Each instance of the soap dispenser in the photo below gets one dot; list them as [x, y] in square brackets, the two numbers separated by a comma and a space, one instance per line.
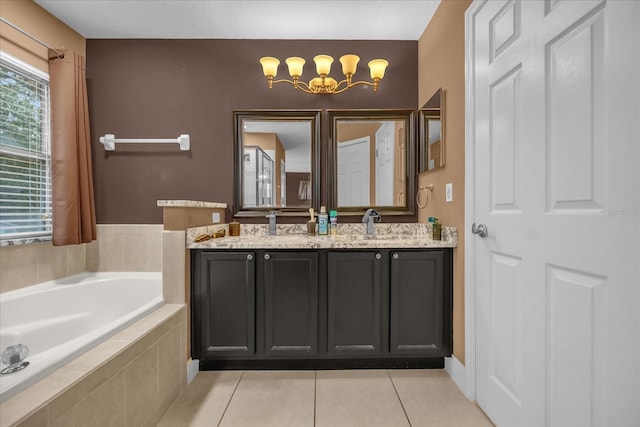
[323, 220]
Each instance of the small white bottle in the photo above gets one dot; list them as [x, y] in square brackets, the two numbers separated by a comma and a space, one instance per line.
[323, 220]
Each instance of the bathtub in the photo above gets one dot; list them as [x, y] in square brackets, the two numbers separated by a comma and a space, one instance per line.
[61, 319]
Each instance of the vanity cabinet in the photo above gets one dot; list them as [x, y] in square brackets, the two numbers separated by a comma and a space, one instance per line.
[223, 304]
[354, 290]
[321, 308]
[290, 303]
[420, 306]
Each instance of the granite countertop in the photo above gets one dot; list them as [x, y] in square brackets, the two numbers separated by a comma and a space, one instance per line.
[350, 236]
[190, 204]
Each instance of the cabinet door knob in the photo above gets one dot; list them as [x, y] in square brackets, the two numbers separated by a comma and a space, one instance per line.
[378, 256]
[396, 256]
[267, 256]
[249, 257]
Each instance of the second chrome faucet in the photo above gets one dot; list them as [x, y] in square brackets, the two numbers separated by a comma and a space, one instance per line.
[369, 217]
[272, 222]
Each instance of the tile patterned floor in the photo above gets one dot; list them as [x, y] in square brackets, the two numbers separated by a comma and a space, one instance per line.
[351, 398]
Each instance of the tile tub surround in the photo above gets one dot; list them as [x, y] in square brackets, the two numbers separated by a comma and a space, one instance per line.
[350, 236]
[126, 247]
[130, 379]
[29, 264]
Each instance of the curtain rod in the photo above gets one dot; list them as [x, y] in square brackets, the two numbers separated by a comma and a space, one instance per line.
[35, 39]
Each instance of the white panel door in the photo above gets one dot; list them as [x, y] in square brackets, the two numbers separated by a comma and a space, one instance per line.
[353, 172]
[554, 111]
[385, 146]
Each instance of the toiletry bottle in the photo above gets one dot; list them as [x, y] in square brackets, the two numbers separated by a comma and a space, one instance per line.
[437, 230]
[323, 219]
[333, 223]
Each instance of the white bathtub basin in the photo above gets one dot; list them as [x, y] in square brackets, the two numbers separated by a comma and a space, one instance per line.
[61, 319]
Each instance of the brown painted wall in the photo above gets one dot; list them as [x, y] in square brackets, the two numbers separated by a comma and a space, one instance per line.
[441, 65]
[163, 88]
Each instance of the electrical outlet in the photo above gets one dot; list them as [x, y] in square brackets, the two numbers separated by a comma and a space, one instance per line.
[215, 217]
[449, 192]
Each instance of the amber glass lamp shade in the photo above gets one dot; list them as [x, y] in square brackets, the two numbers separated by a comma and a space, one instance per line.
[349, 64]
[269, 66]
[295, 65]
[323, 64]
[377, 67]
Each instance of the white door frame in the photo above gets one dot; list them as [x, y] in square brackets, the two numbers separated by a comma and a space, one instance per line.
[466, 380]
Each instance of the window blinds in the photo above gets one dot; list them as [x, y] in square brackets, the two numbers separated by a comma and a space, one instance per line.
[25, 172]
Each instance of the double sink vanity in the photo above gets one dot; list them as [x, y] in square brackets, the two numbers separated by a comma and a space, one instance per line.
[293, 301]
[361, 298]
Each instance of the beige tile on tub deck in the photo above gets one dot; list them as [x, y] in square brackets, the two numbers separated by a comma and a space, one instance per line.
[169, 366]
[354, 398]
[272, 398]
[38, 419]
[204, 401]
[141, 387]
[431, 398]
[104, 406]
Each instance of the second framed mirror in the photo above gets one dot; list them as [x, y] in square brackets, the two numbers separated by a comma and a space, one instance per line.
[372, 156]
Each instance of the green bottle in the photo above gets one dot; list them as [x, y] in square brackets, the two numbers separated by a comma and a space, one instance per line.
[437, 230]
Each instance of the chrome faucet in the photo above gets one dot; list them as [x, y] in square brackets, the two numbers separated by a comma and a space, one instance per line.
[369, 216]
[272, 222]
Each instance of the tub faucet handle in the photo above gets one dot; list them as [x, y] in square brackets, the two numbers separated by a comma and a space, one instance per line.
[15, 354]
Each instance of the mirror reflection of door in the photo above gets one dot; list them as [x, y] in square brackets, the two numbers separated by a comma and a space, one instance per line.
[385, 154]
[283, 183]
[287, 144]
[353, 172]
[371, 173]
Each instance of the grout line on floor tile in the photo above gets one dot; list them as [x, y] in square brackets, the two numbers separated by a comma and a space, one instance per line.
[399, 399]
[231, 398]
[315, 395]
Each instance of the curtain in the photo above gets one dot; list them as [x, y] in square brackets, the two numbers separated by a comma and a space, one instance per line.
[73, 206]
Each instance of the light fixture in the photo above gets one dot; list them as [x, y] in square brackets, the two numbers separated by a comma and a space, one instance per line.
[323, 83]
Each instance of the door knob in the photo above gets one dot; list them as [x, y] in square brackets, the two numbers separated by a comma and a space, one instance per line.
[480, 230]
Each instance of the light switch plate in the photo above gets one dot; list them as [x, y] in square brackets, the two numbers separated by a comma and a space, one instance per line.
[215, 217]
[449, 192]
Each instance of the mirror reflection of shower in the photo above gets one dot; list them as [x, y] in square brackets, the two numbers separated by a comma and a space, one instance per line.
[276, 164]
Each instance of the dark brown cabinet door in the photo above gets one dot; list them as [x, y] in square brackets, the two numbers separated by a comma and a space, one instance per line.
[291, 304]
[224, 304]
[420, 303]
[354, 291]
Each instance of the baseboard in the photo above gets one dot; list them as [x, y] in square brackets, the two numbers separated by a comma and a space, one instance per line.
[458, 374]
[193, 367]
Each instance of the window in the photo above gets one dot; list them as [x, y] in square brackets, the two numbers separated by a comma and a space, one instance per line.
[25, 172]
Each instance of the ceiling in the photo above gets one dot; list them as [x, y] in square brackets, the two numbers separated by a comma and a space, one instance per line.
[246, 19]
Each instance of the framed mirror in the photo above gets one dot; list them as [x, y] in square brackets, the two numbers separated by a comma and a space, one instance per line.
[277, 162]
[372, 161]
[432, 140]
